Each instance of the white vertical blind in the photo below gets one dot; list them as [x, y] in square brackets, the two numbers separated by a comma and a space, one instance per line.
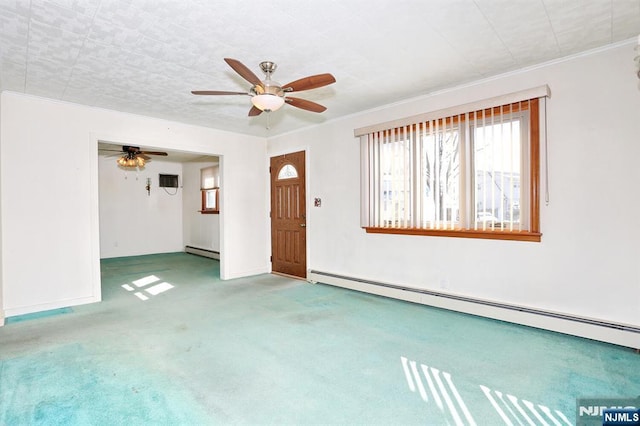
[463, 171]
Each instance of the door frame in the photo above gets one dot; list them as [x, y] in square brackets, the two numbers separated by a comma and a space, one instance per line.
[277, 153]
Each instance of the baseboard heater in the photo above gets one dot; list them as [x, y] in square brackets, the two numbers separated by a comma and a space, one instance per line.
[610, 332]
[202, 252]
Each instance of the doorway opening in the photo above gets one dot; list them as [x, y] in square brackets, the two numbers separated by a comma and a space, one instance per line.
[140, 214]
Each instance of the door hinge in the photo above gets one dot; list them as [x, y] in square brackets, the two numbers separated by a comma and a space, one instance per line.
[271, 259]
[269, 169]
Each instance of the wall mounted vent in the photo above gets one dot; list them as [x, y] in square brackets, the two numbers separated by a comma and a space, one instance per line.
[168, 181]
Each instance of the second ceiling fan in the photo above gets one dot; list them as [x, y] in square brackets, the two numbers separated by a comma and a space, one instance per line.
[268, 95]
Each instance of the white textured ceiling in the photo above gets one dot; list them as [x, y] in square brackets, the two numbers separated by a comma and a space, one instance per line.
[145, 56]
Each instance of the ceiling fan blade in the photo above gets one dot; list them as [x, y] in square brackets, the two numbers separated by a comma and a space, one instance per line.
[146, 157]
[311, 82]
[244, 72]
[111, 154]
[254, 111]
[305, 104]
[216, 92]
[153, 153]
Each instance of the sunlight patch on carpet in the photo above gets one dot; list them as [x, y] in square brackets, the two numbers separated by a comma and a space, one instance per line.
[154, 290]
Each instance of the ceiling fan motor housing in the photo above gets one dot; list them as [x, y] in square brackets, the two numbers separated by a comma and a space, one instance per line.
[268, 67]
[268, 86]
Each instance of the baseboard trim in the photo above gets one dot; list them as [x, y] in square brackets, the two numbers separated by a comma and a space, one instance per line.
[212, 254]
[591, 328]
[23, 310]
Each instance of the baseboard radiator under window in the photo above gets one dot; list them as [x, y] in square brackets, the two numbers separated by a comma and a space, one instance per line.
[202, 252]
[610, 332]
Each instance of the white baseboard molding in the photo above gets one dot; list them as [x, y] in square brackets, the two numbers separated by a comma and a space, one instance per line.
[66, 303]
[202, 252]
[605, 331]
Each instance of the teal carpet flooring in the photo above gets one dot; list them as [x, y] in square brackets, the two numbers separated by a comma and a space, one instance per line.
[171, 344]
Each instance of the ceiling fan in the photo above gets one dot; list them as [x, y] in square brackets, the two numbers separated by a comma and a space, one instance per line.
[132, 156]
[268, 95]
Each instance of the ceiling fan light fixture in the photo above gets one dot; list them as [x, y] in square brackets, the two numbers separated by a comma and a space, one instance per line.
[267, 102]
[128, 161]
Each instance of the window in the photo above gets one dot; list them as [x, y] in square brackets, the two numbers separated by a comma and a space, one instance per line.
[471, 174]
[287, 172]
[210, 191]
[210, 201]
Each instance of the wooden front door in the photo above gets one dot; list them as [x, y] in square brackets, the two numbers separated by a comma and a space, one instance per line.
[288, 215]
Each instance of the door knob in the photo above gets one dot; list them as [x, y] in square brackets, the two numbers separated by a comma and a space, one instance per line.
[303, 225]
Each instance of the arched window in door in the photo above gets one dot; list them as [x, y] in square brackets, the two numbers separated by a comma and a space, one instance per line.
[288, 171]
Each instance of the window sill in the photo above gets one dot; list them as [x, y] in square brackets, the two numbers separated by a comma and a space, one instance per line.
[462, 233]
[209, 211]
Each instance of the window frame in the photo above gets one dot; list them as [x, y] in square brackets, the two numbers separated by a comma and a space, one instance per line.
[205, 208]
[208, 179]
[532, 233]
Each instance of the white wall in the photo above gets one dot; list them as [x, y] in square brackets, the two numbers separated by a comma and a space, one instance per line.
[50, 220]
[1, 245]
[200, 230]
[132, 221]
[587, 263]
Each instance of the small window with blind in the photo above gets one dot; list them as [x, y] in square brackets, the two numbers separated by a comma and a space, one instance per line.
[470, 171]
[210, 190]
